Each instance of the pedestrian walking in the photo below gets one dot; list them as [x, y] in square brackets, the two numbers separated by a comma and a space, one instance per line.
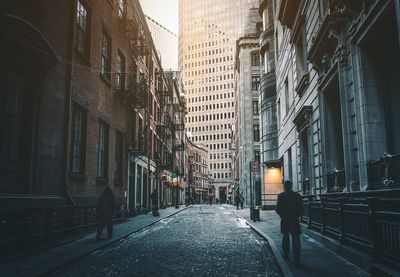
[237, 200]
[105, 211]
[154, 202]
[241, 200]
[290, 208]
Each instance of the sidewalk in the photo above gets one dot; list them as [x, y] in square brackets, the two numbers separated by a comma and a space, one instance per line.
[51, 259]
[316, 259]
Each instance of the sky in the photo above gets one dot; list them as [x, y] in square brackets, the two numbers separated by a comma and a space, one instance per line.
[164, 12]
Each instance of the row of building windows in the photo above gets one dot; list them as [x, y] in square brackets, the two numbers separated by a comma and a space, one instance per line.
[82, 41]
[205, 44]
[207, 117]
[220, 165]
[221, 175]
[210, 52]
[214, 137]
[211, 88]
[212, 127]
[209, 61]
[210, 107]
[217, 156]
[78, 147]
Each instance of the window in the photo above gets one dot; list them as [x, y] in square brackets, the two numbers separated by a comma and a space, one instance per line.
[255, 82]
[255, 59]
[290, 164]
[286, 91]
[279, 113]
[82, 28]
[255, 107]
[256, 132]
[78, 140]
[301, 65]
[105, 68]
[119, 154]
[11, 116]
[120, 70]
[102, 151]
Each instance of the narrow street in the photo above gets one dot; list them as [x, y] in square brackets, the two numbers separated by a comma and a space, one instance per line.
[202, 240]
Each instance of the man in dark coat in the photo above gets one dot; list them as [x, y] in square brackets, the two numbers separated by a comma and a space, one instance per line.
[290, 208]
[237, 200]
[105, 211]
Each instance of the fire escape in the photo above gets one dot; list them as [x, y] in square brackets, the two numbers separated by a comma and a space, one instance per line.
[133, 90]
[164, 157]
[179, 129]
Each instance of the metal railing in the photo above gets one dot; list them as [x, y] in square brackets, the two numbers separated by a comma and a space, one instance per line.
[268, 200]
[384, 172]
[369, 224]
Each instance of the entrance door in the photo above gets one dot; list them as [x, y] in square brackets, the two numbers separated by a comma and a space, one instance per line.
[222, 194]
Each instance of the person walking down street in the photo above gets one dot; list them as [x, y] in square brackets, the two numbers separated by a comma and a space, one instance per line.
[154, 202]
[290, 208]
[241, 200]
[105, 211]
[237, 200]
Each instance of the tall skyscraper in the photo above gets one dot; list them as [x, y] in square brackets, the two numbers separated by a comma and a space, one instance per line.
[208, 30]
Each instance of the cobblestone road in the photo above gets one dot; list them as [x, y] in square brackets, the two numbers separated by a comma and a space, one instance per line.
[200, 241]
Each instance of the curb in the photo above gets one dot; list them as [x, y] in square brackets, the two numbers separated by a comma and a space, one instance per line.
[110, 242]
[36, 265]
[279, 258]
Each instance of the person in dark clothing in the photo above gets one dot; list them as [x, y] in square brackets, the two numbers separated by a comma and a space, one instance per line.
[154, 202]
[241, 200]
[290, 207]
[105, 211]
[237, 200]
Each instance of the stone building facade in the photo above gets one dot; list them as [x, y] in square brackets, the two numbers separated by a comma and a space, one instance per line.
[247, 124]
[336, 93]
[271, 164]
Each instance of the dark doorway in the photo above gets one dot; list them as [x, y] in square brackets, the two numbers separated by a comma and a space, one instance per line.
[382, 70]
[222, 194]
[333, 122]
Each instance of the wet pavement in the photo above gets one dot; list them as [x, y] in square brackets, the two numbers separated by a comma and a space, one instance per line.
[200, 241]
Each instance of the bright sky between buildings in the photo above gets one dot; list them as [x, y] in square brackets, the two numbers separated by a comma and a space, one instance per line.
[163, 11]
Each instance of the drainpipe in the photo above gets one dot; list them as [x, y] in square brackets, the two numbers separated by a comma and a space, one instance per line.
[68, 99]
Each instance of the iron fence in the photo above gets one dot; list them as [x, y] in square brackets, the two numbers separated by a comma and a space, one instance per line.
[367, 223]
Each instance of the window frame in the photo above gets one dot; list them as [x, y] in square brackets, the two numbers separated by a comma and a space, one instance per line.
[105, 57]
[255, 108]
[120, 70]
[255, 83]
[103, 152]
[256, 132]
[83, 30]
[255, 59]
[83, 140]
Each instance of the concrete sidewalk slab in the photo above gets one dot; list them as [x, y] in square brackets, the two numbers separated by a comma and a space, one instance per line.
[316, 259]
[54, 258]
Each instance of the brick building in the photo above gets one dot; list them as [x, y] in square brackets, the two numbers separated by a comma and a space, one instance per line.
[84, 102]
[197, 167]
